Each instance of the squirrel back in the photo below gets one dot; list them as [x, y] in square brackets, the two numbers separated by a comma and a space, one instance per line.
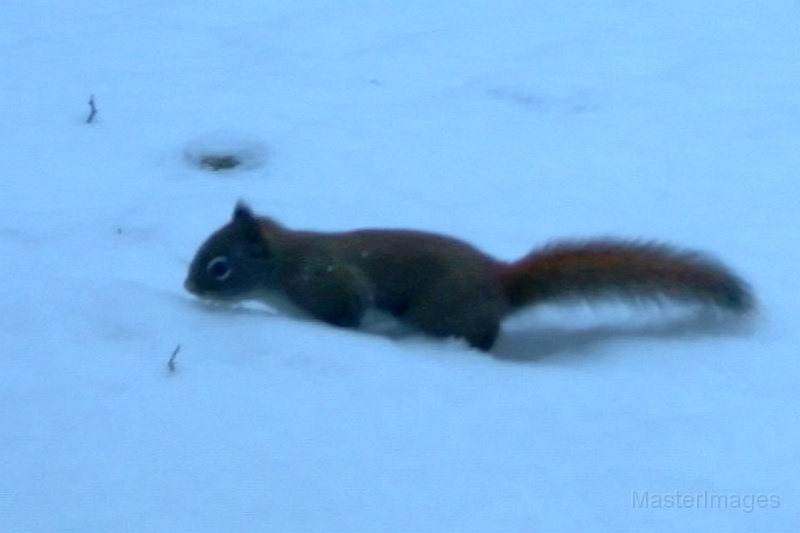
[441, 285]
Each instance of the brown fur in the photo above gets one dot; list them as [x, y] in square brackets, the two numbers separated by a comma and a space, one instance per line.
[601, 268]
[442, 286]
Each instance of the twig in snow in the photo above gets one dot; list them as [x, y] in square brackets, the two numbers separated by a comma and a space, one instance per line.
[171, 366]
[92, 110]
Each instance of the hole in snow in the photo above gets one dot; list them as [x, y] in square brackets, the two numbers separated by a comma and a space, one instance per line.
[225, 151]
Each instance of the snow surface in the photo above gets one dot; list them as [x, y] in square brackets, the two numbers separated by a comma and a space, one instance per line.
[504, 122]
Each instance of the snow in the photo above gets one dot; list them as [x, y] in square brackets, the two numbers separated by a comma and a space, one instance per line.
[507, 123]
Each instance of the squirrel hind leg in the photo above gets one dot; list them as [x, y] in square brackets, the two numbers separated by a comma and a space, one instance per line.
[479, 331]
[477, 322]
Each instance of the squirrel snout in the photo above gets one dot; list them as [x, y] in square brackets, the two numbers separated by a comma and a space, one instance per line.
[190, 286]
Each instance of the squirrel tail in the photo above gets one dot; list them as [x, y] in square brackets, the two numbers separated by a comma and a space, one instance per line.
[600, 268]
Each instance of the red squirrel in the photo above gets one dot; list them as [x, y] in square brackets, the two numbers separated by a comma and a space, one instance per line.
[438, 284]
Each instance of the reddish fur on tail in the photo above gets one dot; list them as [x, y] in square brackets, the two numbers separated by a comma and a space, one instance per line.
[595, 269]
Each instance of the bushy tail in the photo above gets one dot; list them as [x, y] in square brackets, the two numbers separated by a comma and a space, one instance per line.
[595, 269]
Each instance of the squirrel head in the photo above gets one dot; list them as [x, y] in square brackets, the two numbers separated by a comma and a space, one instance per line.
[234, 261]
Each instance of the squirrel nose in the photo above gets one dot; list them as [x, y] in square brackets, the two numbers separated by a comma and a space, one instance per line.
[189, 285]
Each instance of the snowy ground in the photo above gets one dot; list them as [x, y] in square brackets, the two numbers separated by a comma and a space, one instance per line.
[505, 122]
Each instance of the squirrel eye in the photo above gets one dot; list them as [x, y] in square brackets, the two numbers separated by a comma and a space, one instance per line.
[219, 268]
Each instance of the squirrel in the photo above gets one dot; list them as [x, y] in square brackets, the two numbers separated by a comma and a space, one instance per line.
[440, 285]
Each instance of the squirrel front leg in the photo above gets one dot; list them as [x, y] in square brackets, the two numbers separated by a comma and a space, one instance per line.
[329, 291]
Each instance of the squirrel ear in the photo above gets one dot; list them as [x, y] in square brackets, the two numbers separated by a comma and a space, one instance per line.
[247, 223]
[242, 210]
